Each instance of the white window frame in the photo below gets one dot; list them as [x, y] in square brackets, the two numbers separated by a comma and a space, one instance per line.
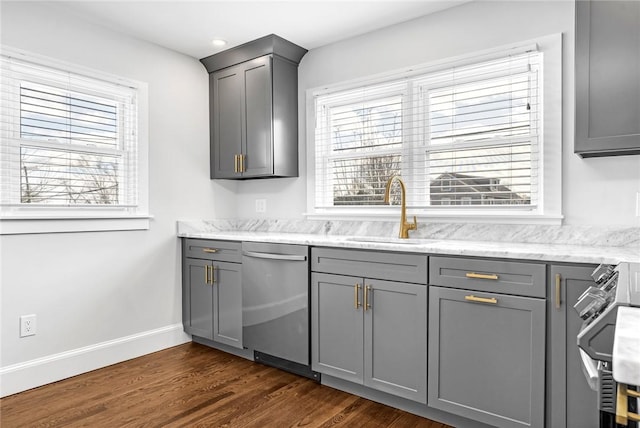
[548, 209]
[26, 219]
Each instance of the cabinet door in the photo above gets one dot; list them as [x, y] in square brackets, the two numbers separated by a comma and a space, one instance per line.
[607, 84]
[395, 338]
[227, 303]
[337, 326]
[487, 360]
[197, 298]
[258, 109]
[573, 404]
[226, 112]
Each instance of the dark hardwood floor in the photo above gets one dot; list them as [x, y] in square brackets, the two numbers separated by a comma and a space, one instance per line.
[195, 386]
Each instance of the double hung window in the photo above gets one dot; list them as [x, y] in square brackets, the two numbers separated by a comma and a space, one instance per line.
[70, 142]
[466, 137]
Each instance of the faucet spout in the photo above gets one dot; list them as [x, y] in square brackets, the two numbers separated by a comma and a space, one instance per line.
[404, 226]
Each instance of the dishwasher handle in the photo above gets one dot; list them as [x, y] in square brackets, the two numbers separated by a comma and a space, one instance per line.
[271, 256]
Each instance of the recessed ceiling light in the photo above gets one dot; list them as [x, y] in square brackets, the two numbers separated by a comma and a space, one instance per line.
[219, 42]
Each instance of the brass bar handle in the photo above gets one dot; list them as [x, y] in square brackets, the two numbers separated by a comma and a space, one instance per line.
[474, 275]
[633, 393]
[558, 283]
[209, 250]
[206, 274]
[242, 167]
[356, 294]
[235, 163]
[367, 302]
[473, 298]
[213, 275]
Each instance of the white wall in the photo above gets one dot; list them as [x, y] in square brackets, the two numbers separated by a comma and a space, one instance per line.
[88, 288]
[595, 191]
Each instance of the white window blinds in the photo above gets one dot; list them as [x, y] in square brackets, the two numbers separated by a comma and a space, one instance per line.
[464, 136]
[67, 139]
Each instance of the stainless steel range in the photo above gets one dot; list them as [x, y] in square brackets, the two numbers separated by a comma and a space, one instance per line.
[616, 286]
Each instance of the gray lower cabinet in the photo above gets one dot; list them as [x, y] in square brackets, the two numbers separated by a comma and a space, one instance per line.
[572, 403]
[607, 84]
[487, 348]
[371, 332]
[212, 291]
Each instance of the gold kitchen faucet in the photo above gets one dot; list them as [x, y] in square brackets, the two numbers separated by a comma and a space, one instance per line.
[404, 226]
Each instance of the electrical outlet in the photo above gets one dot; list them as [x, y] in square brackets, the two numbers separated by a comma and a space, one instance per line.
[261, 205]
[27, 325]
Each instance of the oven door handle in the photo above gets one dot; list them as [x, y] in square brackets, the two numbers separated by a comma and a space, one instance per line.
[590, 369]
[271, 256]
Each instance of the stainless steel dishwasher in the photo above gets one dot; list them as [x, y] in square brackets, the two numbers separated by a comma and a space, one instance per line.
[275, 305]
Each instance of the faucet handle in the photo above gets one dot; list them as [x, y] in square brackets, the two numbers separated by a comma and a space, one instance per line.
[414, 225]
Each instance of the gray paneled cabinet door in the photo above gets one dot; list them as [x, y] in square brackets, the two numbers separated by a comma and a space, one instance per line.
[607, 82]
[242, 110]
[572, 403]
[395, 326]
[337, 326]
[197, 299]
[227, 303]
[383, 347]
[487, 360]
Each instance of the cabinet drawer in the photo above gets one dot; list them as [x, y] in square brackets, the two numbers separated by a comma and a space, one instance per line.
[224, 251]
[371, 264]
[526, 279]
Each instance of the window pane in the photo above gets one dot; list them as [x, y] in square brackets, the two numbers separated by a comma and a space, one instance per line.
[481, 176]
[487, 109]
[51, 114]
[60, 177]
[367, 126]
[362, 181]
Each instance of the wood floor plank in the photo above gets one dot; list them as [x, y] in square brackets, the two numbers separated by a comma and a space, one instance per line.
[191, 386]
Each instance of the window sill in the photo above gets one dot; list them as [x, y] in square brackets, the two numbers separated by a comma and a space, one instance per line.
[19, 225]
[440, 217]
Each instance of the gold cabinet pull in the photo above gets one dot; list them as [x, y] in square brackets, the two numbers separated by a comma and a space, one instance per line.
[209, 250]
[473, 298]
[482, 275]
[367, 302]
[206, 274]
[236, 163]
[558, 282]
[213, 275]
[356, 294]
[242, 167]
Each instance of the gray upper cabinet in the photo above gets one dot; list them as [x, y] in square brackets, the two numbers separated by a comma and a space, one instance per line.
[253, 103]
[211, 290]
[487, 349]
[571, 402]
[607, 78]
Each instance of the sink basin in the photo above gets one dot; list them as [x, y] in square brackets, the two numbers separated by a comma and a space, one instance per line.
[376, 240]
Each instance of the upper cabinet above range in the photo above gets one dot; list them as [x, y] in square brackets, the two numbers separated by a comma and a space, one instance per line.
[253, 109]
[607, 78]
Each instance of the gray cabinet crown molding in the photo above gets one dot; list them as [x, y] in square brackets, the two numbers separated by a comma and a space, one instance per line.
[271, 44]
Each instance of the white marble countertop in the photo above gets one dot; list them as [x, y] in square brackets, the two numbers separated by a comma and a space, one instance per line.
[509, 250]
[626, 346]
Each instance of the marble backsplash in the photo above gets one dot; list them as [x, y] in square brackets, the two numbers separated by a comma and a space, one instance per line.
[532, 234]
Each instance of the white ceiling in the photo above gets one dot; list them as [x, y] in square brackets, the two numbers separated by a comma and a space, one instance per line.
[189, 26]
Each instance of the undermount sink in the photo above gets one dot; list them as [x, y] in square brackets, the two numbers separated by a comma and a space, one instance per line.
[376, 240]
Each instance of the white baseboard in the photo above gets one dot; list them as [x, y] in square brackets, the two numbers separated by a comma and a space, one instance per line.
[41, 371]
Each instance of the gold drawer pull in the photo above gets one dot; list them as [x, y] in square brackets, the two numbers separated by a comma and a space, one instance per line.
[482, 275]
[356, 293]
[209, 250]
[473, 298]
